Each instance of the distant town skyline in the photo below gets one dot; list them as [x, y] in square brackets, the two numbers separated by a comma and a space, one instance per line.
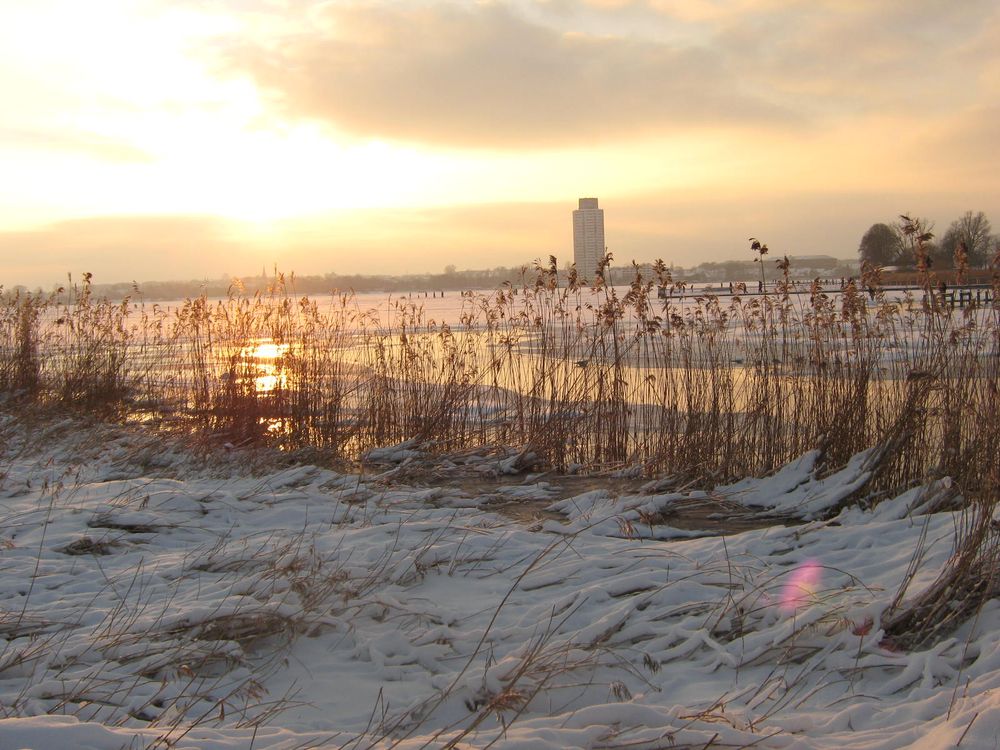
[157, 140]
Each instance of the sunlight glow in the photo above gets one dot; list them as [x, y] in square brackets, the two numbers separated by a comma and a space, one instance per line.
[196, 143]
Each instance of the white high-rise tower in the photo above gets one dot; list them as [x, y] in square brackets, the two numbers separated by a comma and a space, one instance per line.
[588, 237]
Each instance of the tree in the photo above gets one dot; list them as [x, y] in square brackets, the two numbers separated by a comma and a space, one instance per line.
[975, 231]
[942, 255]
[881, 245]
[950, 244]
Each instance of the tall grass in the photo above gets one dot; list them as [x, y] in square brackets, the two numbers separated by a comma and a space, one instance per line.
[575, 377]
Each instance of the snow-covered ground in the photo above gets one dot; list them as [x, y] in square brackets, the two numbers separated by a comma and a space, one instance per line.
[151, 598]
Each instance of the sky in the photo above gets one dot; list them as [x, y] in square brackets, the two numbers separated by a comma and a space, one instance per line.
[156, 139]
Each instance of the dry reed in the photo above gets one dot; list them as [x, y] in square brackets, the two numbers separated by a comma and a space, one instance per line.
[575, 377]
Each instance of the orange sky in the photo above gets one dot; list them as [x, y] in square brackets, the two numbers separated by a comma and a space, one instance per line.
[146, 139]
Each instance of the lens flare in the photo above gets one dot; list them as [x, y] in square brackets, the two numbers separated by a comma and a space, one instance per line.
[801, 587]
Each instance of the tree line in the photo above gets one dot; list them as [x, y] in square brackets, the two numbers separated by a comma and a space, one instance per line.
[968, 241]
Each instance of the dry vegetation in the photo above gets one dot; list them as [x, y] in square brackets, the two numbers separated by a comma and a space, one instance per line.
[693, 389]
[578, 377]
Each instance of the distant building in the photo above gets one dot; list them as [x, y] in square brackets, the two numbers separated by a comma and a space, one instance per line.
[588, 237]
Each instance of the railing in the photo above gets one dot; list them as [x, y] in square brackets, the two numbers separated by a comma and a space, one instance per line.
[964, 297]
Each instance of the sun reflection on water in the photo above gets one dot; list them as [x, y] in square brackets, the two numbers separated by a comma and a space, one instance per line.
[265, 350]
[265, 356]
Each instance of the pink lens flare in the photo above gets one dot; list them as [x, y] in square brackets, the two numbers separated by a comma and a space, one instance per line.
[801, 586]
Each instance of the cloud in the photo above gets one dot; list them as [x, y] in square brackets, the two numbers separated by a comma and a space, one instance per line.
[120, 248]
[840, 58]
[87, 144]
[483, 76]
[963, 152]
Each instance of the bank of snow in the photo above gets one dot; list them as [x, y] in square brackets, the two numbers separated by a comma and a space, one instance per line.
[147, 599]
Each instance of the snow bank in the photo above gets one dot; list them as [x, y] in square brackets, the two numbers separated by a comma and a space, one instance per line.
[301, 607]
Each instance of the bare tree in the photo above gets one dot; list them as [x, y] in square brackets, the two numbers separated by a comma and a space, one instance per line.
[943, 254]
[974, 230]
